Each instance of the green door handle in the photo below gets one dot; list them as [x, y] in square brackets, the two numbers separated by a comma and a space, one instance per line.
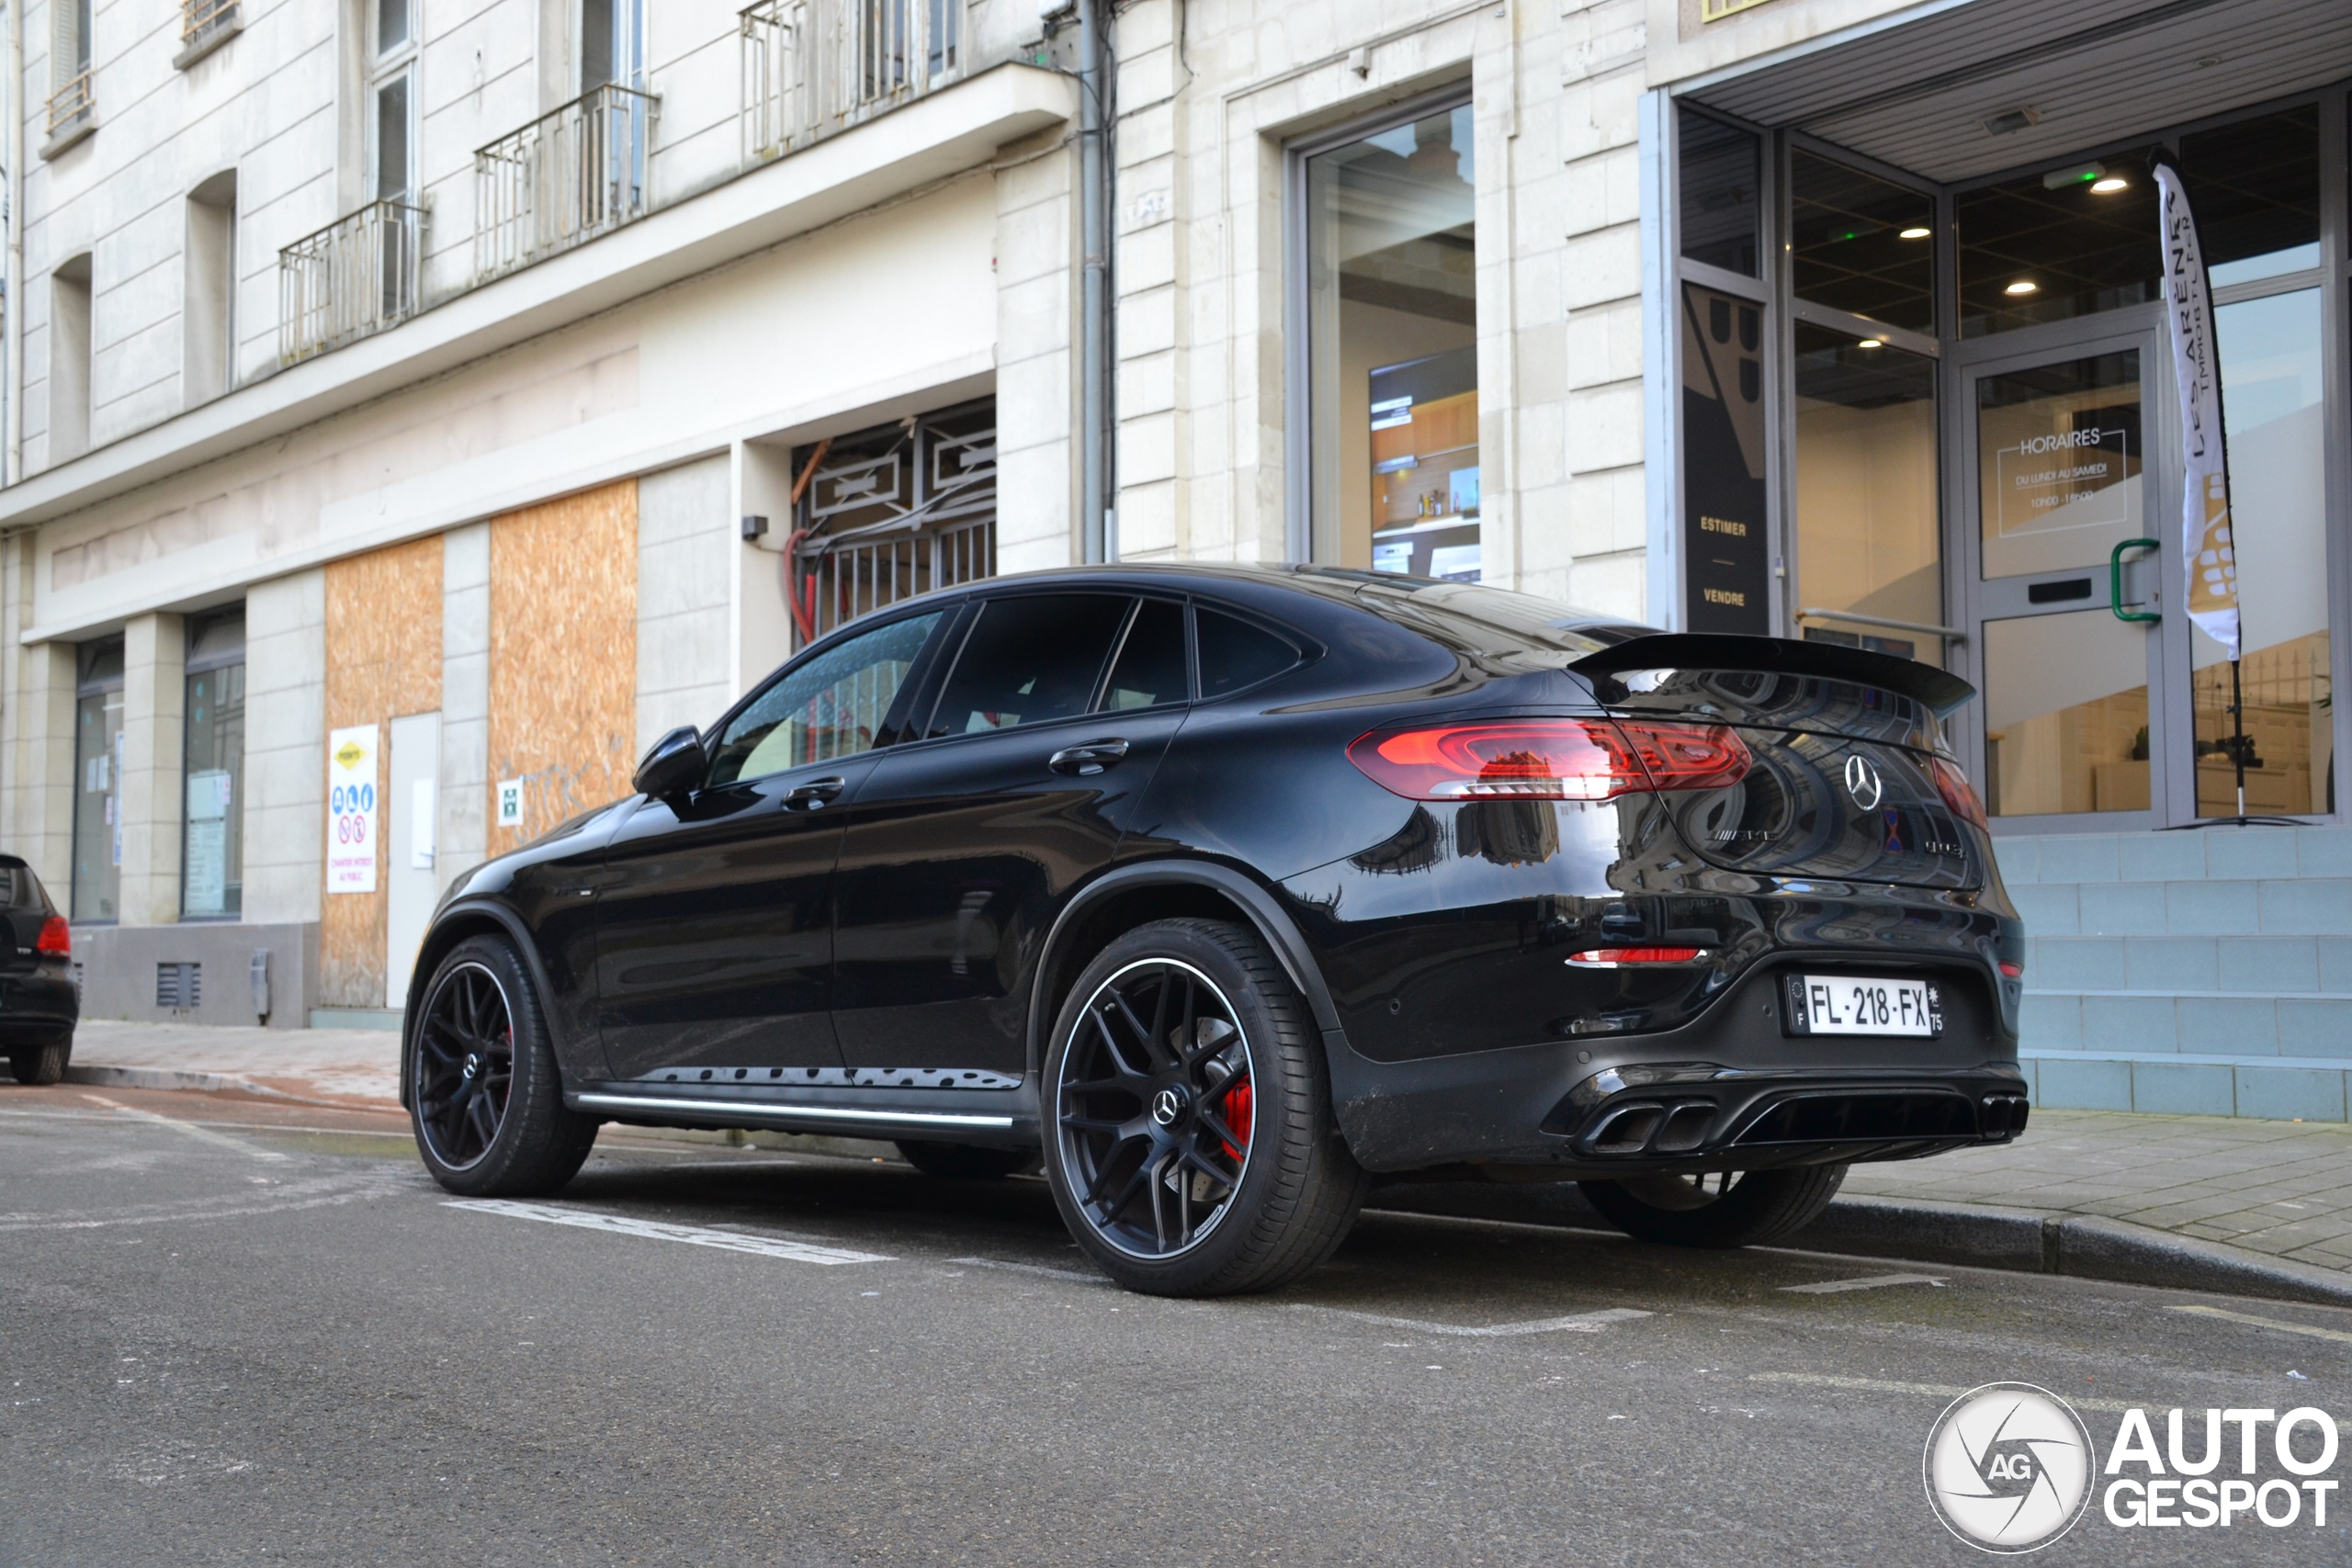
[2115, 580]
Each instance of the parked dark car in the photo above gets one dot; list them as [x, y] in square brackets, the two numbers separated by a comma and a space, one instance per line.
[1228, 892]
[39, 1002]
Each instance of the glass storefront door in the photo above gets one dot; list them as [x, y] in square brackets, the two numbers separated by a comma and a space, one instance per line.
[2059, 478]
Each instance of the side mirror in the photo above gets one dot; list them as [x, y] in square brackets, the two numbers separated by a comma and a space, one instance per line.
[675, 765]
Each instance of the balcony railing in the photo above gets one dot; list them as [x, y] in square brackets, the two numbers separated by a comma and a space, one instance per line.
[204, 21]
[355, 277]
[811, 67]
[569, 175]
[70, 107]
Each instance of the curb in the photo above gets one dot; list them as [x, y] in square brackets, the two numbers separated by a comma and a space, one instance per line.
[201, 1083]
[2083, 1246]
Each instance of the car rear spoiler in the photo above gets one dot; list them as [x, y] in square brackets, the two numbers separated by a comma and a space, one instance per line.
[1938, 689]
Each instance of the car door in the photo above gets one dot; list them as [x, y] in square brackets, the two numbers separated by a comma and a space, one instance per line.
[713, 922]
[966, 841]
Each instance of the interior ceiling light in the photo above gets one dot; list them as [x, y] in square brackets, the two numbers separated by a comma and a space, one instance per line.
[1915, 233]
[2015, 119]
[2023, 286]
[2080, 175]
[1869, 342]
[2111, 184]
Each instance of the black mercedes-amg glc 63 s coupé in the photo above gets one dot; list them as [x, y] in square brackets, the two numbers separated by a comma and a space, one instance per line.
[1228, 892]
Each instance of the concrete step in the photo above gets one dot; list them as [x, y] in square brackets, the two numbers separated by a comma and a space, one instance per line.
[2203, 854]
[2320, 966]
[2283, 1088]
[2294, 906]
[2236, 1024]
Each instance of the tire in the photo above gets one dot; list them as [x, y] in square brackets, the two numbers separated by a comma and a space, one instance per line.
[499, 1129]
[1758, 1206]
[1231, 1141]
[966, 1162]
[40, 1065]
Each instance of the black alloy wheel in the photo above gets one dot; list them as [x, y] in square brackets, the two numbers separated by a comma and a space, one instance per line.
[485, 1098]
[1155, 1115]
[1189, 1140]
[465, 1065]
[1719, 1209]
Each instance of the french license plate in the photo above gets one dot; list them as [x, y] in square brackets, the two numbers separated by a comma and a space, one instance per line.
[1864, 1004]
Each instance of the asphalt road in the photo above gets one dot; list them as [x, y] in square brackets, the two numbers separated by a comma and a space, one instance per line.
[232, 1340]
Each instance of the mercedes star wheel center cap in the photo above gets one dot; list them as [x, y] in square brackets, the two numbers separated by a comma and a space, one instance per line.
[473, 1065]
[1168, 1105]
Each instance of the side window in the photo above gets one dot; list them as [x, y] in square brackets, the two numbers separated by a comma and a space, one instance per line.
[1149, 669]
[1030, 660]
[1235, 654]
[831, 706]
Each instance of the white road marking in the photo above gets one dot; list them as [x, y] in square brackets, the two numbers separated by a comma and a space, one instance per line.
[1074, 1275]
[1867, 1282]
[1574, 1323]
[657, 1230]
[1954, 1390]
[2339, 1335]
[201, 1135]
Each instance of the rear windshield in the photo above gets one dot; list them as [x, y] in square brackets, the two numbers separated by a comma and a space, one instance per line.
[1471, 618]
[20, 888]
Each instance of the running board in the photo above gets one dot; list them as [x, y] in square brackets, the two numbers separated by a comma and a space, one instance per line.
[671, 1107]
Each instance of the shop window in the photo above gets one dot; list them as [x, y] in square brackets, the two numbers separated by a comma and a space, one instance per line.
[2065, 714]
[1862, 244]
[1392, 256]
[1866, 540]
[212, 850]
[2271, 372]
[98, 783]
[1722, 170]
[2255, 188]
[2052, 246]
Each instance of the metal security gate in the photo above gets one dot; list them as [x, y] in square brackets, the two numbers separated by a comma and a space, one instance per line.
[891, 512]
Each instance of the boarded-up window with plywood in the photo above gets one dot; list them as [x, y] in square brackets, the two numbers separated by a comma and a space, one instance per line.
[563, 657]
[383, 661]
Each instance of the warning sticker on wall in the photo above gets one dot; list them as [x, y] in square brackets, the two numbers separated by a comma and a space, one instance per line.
[351, 809]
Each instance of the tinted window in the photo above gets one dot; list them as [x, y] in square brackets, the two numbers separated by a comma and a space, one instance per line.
[1030, 660]
[1150, 667]
[831, 706]
[20, 888]
[1721, 175]
[1235, 654]
[1861, 243]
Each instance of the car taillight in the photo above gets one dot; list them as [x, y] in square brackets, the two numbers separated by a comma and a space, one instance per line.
[56, 937]
[2012, 970]
[1958, 793]
[1549, 758]
[1610, 957]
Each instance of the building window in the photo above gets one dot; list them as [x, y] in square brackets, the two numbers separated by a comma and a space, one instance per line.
[2052, 246]
[69, 358]
[1723, 180]
[1392, 331]
[1867, 538]
[70, 99]
[392, 96]
[212, 866]
[1862, 244]
[208, 336]
[612, 43]
[98, 783]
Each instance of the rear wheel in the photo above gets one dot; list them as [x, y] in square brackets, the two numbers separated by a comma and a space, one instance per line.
[1189, 1138]
[966, 1162]
[1719, 1209]
[486, 1099]
[40, 1065]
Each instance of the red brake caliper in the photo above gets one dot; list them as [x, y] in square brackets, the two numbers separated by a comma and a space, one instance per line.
[1237, 1102]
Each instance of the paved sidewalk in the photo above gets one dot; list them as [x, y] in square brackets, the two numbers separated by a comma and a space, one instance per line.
[2283, 1189]
[338, 1064]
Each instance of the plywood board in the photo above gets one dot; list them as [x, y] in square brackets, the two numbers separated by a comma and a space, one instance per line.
[563, 657]
[383, 646]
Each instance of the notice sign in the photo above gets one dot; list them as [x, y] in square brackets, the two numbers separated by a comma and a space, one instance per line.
[2065, 479]
[351, 809]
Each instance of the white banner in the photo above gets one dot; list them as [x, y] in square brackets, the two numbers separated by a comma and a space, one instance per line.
[2205, 522]
[351, 809]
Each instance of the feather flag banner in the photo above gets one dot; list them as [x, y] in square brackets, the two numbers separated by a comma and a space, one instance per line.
[2206, 544]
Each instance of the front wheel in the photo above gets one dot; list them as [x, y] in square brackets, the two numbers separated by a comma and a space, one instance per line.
[1188, 1130]
[486, 1101]
[1720, 1209]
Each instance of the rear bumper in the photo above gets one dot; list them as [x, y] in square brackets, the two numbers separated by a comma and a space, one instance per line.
[37, 1009]
[1728, 1092]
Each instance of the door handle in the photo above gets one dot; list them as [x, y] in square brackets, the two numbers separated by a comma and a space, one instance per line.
[2115, 580]
[814, 793]
[1090, 758]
